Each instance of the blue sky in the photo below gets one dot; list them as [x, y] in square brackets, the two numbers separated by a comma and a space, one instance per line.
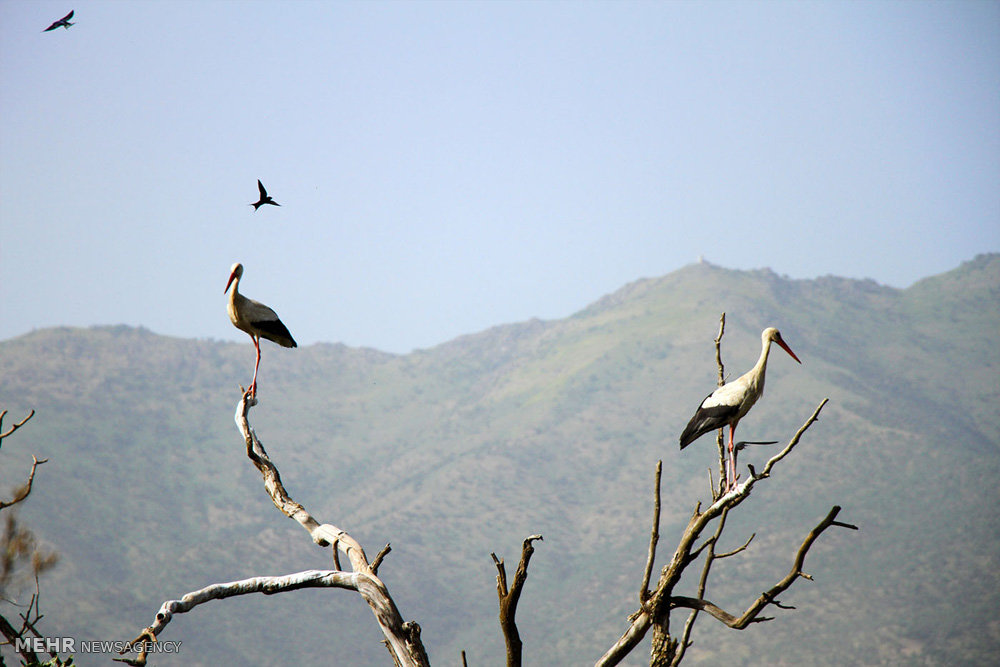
[444, 167]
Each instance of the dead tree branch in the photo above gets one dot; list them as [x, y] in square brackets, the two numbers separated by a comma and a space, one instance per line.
[379, 557]
[19, 551]
[770, 596]
[25, 489]
[718, 350]
[142, 643]
[14, 427]
[766, 472]
[401, 637]
[19, 547]
[655, 610]
[12, 634]
[654, 536]
[265, 585]
[720, 438]
[509, 597]
[685, 639]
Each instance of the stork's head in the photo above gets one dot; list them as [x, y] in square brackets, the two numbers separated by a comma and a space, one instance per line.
[235, 272]
[774, 336]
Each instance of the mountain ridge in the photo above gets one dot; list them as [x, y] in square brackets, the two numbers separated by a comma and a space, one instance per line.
[540, 426]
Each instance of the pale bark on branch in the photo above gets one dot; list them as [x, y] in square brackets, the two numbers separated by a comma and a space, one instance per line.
[265, 585]
[401, 637]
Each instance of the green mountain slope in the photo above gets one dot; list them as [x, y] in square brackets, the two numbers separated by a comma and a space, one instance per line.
[547, 427]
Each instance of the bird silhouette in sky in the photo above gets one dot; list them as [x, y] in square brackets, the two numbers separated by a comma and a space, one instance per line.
[264, 197]
[61, 23]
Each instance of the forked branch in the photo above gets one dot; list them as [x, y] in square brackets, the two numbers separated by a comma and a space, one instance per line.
[770, 596]
[655, 608]
[402, 638]
[508, 599]
[25, 489]
[4, 434]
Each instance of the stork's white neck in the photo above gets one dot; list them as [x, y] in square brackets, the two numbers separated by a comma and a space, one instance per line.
[765, 349]
[756, 374]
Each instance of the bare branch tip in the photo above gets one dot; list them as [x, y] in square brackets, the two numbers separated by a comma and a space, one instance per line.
[379, 557]
[844, 525]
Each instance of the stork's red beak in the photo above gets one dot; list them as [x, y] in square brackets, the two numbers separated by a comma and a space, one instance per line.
[232, 277]
[787, 349]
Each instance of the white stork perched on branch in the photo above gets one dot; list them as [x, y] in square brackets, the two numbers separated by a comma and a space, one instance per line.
[728, 404]
[256, 319]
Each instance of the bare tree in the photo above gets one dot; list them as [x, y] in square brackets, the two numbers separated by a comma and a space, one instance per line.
[22, 560]
[656, 605]
[401, 637]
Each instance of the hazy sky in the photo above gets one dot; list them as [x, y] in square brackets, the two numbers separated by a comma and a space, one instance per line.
[444, 167]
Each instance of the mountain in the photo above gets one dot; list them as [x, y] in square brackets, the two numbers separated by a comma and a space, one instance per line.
[550, 427]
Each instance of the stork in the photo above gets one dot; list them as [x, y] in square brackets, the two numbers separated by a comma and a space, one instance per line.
[61, 23]
[264, 197]
[256, 319]
[728, 404]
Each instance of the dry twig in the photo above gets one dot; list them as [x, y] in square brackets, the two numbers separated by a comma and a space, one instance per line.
[25, 489]
[14, 427]
[653, 537]
[508, 599]
[720, 438]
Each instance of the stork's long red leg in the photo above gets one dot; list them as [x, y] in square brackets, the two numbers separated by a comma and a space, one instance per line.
[253, 385]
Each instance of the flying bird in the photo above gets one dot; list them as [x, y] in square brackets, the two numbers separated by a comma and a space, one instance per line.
[728, 404]
[256, 319]
[264, 197]
[61, 23]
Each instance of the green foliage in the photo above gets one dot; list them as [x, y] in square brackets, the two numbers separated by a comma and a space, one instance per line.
[550, 427]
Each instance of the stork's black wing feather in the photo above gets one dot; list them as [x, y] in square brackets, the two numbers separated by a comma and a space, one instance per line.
[276, 331]
[706, 420]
